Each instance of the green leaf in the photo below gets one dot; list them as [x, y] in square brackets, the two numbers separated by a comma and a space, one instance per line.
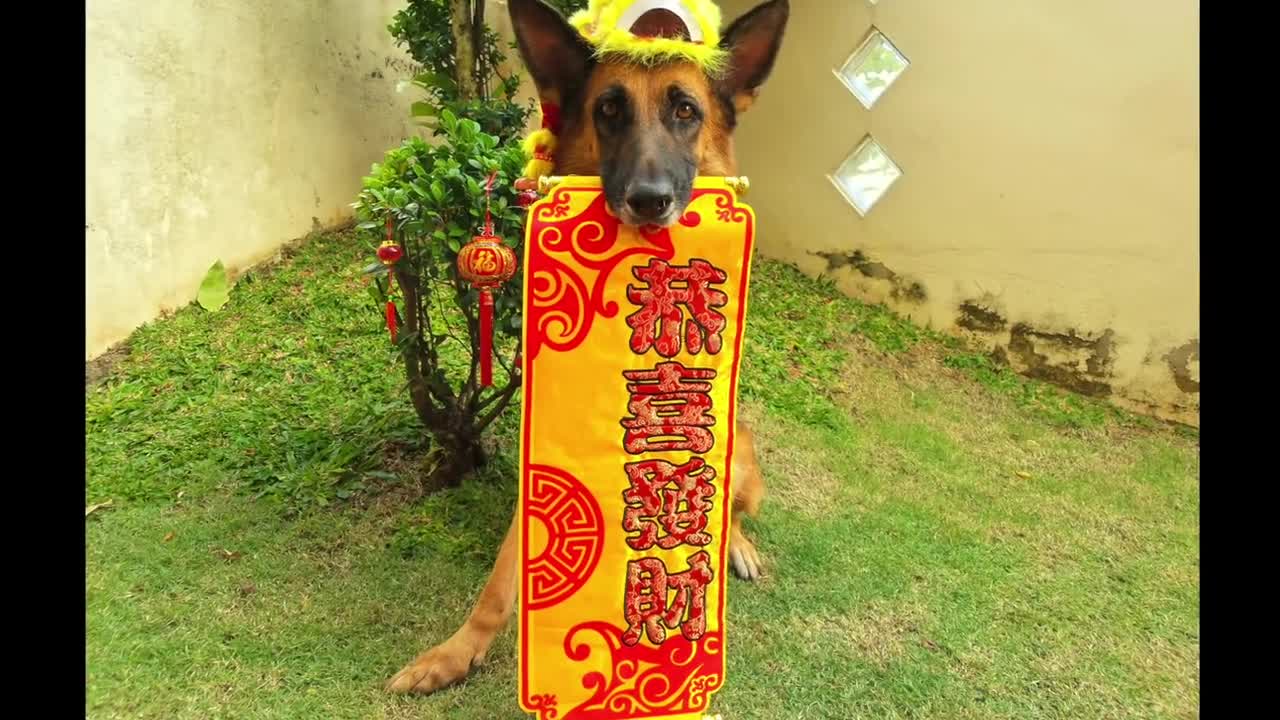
[431, 80]
[214, 292]
[424, 109]
[448, 120]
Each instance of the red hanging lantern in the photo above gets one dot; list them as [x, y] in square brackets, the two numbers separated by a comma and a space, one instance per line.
[389, 253]
[486, 262]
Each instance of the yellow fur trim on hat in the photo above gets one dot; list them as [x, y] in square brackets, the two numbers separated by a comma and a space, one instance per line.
[540, 146]
[599, 24]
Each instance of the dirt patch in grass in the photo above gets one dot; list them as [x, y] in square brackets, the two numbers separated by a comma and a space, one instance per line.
[879, 632]
[404, 479]
[101, 367]
[807, 487]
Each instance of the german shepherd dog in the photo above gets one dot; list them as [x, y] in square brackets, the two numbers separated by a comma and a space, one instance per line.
[646, 132]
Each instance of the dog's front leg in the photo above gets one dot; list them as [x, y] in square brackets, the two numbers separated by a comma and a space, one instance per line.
[452, 660]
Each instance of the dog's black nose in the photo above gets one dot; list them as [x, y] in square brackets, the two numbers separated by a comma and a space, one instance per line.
[650, 199]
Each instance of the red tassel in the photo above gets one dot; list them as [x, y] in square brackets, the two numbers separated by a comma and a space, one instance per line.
[551, 117]
[486, 338]
[391, 319]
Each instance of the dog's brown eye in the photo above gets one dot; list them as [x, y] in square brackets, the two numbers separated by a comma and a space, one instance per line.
[685, 111]
[608, 108]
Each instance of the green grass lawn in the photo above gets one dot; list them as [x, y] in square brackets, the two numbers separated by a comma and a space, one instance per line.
[942, 538]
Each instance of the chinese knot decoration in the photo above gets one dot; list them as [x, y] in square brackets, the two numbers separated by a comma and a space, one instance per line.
[389, 253]
[486, 262]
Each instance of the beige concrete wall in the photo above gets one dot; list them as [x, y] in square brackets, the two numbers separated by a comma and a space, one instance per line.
[220, 129]
[1049, 202]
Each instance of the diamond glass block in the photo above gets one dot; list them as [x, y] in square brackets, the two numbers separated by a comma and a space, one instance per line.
[866, 175]
[872, 68]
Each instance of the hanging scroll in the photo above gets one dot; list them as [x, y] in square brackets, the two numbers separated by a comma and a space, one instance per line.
[632, 342]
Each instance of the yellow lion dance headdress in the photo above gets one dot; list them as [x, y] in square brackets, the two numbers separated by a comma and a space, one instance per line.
[651, 31]
[645, 32]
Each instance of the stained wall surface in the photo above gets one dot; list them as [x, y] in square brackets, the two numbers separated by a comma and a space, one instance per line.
[1048, 203]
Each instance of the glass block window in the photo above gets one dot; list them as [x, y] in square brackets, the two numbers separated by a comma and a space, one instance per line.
[866, 175]
[872, 68]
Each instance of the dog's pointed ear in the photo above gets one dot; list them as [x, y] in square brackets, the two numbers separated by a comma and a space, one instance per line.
[753, 41]
[558, 58]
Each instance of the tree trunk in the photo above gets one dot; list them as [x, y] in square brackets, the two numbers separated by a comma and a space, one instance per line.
[461, 455]
[465, 45]
[477, 43]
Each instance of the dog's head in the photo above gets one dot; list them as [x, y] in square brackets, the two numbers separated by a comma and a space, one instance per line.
[646, 130]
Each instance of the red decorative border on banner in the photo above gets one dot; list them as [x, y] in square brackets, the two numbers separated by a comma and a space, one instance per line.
[646, 681]
[643, 681]
[575, 536]
[563, 306]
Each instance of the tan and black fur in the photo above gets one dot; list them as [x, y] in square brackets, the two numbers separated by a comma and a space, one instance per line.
[647, 132]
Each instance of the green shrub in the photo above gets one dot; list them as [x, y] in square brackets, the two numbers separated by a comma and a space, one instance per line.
[436, 200]
[435, 197]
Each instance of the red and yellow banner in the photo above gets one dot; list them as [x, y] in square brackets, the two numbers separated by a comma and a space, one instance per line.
[632, 341]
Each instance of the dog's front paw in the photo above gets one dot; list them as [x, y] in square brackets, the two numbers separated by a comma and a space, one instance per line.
[439, 667]
[744, 557]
